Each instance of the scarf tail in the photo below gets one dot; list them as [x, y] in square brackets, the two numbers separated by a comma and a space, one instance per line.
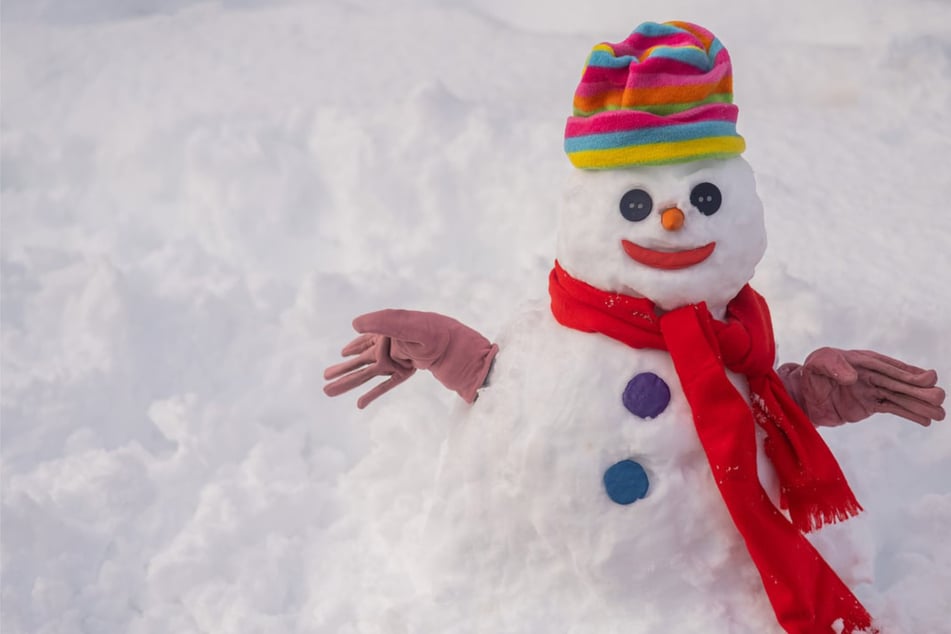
[812, 486]
[807, 596]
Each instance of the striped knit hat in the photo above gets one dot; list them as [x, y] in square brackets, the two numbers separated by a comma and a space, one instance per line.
[663, 95]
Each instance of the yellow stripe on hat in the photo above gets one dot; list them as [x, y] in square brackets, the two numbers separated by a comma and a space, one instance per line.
[659, 153]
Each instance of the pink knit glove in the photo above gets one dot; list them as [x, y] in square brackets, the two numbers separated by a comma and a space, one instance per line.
[843, 386]
[396, 343]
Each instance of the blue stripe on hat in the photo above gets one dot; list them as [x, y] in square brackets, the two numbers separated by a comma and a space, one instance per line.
[604, 59]
[653, 29]
[696, 57]
[645, 136]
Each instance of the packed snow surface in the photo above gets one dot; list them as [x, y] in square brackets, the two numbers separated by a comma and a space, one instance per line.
[198, 197]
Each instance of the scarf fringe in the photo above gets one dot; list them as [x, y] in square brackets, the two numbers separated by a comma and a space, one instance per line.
[812, 509]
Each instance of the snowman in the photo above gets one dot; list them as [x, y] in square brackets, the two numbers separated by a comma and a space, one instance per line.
[635, 461]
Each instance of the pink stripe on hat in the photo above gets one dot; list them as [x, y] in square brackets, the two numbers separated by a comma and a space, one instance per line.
[624, 120]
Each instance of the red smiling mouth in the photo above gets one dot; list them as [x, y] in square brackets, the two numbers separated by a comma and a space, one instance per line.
[667, 260]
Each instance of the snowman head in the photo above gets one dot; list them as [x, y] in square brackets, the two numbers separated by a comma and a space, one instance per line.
[677, 234]
[662, 206]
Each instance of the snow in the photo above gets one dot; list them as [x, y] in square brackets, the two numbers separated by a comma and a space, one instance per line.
[198, 197]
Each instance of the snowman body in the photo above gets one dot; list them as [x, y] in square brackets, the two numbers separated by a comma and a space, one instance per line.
[523, 510]
[576, 489]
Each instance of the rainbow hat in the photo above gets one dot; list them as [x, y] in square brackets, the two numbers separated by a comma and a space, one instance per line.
[663, 95]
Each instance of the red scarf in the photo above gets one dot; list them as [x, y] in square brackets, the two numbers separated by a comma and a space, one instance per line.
[806, 594]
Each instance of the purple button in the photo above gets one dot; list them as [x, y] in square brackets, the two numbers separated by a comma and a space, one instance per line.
[646, 395]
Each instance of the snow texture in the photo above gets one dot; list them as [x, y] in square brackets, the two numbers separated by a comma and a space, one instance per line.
[198, 197]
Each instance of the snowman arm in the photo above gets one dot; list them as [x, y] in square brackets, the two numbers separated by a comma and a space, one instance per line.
[396, 343]
[837, 386]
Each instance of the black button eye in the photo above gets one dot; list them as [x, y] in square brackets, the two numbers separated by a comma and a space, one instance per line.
[636, 205]
[706, 197]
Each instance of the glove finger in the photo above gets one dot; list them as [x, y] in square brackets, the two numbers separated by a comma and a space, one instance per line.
[352, 380]
[887, 407]
[339, 369]
[383, 388]
[931, 395]
[893, 368]
[831, 363]
[892, 361]
[913, 405]
[358, 345]
[408, 326]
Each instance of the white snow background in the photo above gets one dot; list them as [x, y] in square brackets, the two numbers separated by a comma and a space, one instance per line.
[197, 198]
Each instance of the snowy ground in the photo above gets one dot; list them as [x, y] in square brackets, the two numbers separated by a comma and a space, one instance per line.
[197, 198]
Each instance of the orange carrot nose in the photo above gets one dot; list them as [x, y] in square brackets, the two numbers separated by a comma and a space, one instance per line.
[672, 219]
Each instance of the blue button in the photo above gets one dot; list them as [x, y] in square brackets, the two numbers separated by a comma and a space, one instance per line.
[646, 395]
[626, 482]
